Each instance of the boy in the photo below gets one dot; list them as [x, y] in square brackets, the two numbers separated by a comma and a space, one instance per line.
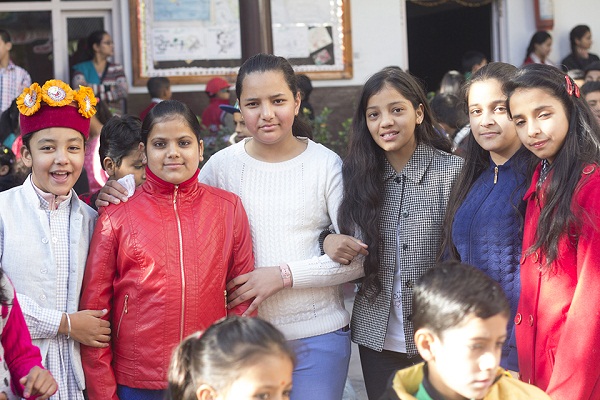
[241, 131]
[13, 79]
[592, 72]
[591, 94]
[471, 62]
[213, 117]
[45, 231]
[460, 317]
[159, 89]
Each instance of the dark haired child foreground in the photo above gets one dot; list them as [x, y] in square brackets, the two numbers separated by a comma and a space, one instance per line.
[234, 359]
[460, 317]
[182, 239]
[557, 321]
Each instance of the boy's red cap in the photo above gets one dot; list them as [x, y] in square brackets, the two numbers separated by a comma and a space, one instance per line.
[216, 84]
[53, 106]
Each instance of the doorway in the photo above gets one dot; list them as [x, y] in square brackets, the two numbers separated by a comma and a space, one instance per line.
[438, 36]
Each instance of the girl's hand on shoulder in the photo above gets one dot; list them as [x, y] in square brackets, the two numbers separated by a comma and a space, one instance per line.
[3, 396]
[259, 284]
[88, 328]
[343, 248]
[38, 382]
[112, 193]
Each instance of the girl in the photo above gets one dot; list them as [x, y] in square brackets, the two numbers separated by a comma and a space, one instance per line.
[291, 187]
[107, 79]
[397, 180]
[160, 262]
[235, 359]
[557, 324]
[483, 224]
[581, 42]
[24, 374]
[539, 49]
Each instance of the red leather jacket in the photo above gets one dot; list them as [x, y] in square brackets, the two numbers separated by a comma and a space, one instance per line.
[558, 318]
[159, 263]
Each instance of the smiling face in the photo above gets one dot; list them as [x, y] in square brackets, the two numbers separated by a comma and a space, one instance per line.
[391, 120]
[488, 115]
[55, 156]
[268, 107]
[173, 151]
[541, 121]
[463, 362]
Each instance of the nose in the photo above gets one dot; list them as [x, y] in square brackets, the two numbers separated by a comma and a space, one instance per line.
[386, 119]
[266, 111]
[533, 129]
[172, 150]
[487, 119]
[60, 156]
[489, 361]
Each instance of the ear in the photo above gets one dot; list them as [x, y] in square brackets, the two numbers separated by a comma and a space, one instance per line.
[424, 340]
[26, 156]
[297, 101]
[205, 392]
[8, 46]
[201, 150]
[109, 166]
[4, 170]
[420, 114]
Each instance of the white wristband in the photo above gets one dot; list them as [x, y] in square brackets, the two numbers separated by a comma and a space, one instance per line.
[68, 325]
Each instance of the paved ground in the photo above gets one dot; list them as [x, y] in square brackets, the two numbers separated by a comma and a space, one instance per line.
[355, 387]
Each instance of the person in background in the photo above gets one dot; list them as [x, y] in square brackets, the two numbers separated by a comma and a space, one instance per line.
[557, 324]
[305, 87]
[580, 38]
[7, 169]
[13, 79]
[452, 82]
[234, 359]
[539, 49]
[241, 131]
[213, 117]
[450, 114]
[107, 79]
[460, 317]
[471, 61]
[591, 94]
[159, 88]
[592, 72]
[9, 124]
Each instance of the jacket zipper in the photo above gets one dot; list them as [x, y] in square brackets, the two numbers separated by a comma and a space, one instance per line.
[180, 262]
[495, 175]
[123, 313]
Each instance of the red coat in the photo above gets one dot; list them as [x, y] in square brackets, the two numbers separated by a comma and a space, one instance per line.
[159, 263]
[558, 318]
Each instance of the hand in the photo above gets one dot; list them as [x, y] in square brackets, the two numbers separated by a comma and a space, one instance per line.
[112, 193]
[259, 284]
[3, 396]
[343, 248]
[38, 382]
[88, 327]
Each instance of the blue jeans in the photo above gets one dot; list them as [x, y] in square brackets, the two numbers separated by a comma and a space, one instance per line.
[321, 366]
[128, 393]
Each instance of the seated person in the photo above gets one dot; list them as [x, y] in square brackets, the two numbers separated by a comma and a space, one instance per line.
[460, 316]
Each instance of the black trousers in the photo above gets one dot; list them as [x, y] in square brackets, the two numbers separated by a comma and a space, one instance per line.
[379, 367]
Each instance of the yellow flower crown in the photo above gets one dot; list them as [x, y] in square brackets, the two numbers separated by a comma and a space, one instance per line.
[56, 93]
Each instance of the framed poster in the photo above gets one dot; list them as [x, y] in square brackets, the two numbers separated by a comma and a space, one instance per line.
[315, 36]
[191, 41]
[188, 41]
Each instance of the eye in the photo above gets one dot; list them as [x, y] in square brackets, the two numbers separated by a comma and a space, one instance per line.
[475, 111]
[397, 110]
[476, 346]
[519, 122]
[46, 148]
[140, 166]
[185, 143]
[262, 396]
[251, 104]
[500, 344]
[74, 148]
[158, 144]
[372, 115]
[545, 115]
[279, 101]
[500, 109]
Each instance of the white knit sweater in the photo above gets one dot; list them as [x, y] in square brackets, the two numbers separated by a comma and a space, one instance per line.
[289, 204]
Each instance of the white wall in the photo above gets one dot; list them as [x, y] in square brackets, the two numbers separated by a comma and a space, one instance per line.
[520, 25]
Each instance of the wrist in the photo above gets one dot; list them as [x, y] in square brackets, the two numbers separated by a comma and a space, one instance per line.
[286, 275]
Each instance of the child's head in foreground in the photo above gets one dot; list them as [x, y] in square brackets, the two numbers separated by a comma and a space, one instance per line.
[55, 123]
[120, 149]
[460, 317]
[171, 137]
[235, 358]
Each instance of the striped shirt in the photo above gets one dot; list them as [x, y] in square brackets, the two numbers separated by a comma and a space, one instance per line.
[13, 79]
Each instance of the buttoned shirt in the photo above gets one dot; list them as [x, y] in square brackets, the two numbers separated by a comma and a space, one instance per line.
[13, 79]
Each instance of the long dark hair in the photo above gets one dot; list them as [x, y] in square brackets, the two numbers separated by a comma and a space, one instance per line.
[581, 148]
[576, 34]
[477, 159]
[268, 62]
[94, 38]
[364, 165]
[538, 38]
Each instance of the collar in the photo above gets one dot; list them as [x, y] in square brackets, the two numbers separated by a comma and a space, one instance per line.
[51, 199]
[156, 185]
[156, 100]
[11, 65]
[415, 168]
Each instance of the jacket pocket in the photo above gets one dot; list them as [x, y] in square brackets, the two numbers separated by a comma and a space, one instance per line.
[123, 312]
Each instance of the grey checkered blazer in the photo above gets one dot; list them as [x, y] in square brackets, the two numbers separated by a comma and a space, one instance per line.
[411, 218]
